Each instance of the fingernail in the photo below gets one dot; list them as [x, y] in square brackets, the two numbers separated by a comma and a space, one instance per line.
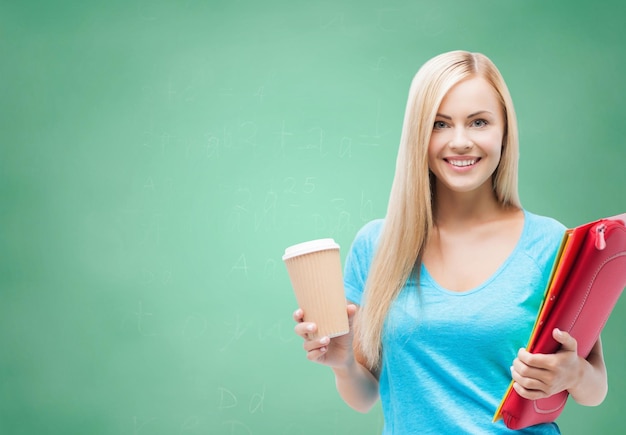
[310, 328]
[324, 340]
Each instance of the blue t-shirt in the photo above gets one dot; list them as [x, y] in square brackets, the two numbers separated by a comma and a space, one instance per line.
[447, 355]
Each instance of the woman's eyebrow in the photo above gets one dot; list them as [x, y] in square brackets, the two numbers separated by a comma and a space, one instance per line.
[471, 115]
[480, 112]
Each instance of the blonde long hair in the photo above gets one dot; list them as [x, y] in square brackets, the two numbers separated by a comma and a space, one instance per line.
[409, 218]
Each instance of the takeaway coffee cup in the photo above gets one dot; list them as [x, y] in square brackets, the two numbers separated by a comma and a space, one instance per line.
[314, 268]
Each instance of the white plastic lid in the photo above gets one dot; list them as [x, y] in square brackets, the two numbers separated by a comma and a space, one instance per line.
[308, 247]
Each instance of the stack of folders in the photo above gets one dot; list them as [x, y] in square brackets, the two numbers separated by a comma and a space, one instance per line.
[587, 279]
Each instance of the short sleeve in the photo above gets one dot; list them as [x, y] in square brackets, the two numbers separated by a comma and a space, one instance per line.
[359, 259]
[544, 239]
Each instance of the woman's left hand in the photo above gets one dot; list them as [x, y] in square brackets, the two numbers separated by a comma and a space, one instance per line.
[538, 376]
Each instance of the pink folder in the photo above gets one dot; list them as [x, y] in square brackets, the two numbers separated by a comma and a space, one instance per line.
[587, 280]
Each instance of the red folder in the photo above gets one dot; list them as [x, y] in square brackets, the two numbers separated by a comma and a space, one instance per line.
[587, 280]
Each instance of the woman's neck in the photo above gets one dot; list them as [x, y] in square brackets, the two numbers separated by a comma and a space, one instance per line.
[461, 209]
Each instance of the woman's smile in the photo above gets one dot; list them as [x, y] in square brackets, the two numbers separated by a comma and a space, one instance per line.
[462, 162]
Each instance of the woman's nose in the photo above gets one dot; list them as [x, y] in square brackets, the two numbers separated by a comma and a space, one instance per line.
[461, 140]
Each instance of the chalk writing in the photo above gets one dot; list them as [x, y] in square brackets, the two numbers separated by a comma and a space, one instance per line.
[240, 265]
[139, 425]
[345, 147]
[317, 143]
[290, 182]
[378, 66]
[268, 214]
[336, 20]
[187, 94]
[243, 197]
[373, 140]
[269, 270]
[260, 93]
[248, 131]
[236, 331]
[309, 186]
[150, 277]
[212, 146]
[149, 184]
[142, 320]
[256, 402]
[293, 188]
[366, 211]
[160, 186]
[227, 399]
[190, 423]
[283, 135]
[343, 218]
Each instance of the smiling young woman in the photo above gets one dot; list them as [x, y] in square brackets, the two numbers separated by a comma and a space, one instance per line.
[444, 290]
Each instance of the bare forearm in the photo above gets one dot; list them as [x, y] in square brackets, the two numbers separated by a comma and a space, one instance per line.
[592, 386]
[357, 386]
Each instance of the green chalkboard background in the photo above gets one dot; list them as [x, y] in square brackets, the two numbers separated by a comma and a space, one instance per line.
[157, 156]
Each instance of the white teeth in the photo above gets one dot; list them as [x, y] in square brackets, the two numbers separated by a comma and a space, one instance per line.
[462, 162]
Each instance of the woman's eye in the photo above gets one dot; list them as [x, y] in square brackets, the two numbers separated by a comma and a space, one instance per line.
[439, 125]
[479, 123]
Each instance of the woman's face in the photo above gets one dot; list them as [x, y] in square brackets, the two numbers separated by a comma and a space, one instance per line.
[466, 142]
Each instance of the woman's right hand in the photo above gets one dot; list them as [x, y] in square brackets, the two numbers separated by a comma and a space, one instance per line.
[334, 352]
[357, 385]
